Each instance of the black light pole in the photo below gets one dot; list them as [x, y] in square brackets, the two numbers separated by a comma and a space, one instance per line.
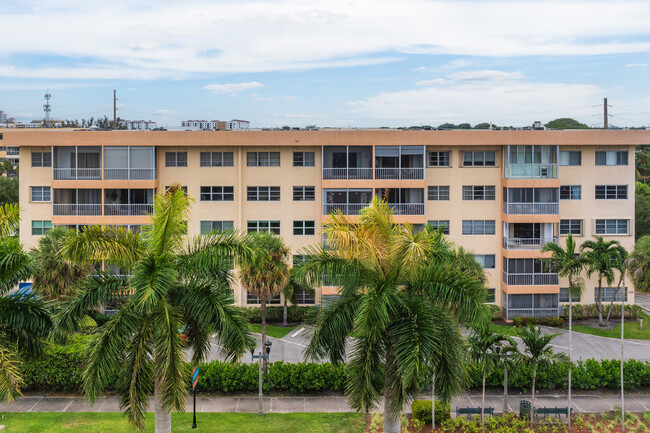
[195, 382]
[260, 357]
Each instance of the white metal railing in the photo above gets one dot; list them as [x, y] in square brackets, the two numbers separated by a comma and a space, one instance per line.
[345, 208]
[531, 208]
[347, 173]
[129, 173]
[532, 171]
[76, 209]
[76, 173]
[399, 173]
[526, 243]
[407, 208]
[110, 312]
[541, 279]
[511, 313]
[127, 209]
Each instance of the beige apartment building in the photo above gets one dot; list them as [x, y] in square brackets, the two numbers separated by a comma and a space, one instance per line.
[499, 194]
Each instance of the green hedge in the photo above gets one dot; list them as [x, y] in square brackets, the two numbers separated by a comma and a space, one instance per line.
[275, 313]
[589, 311]
[421, 411]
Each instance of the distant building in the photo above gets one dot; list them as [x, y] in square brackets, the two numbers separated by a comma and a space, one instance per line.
[138, 125]
[239, 125]
[233, 125]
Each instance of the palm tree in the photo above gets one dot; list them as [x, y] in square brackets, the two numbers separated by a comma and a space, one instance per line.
[600, 257]
[486, 345]
[537, 353]
[621, 264]
[289, 292]
[54, 275]
[639, 265]
[569, 264]
[177, 284]
[24, 319]
[265, 272]
[402, 298]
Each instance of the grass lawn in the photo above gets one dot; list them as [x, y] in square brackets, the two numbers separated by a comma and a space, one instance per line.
[273, 331]
[646, 417]
[631, 330]
[55, 422]
[507, 330]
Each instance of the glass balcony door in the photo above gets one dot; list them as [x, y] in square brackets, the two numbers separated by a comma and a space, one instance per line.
[129, 163]
[399, 162]
[77, 163]
[77, 202]
[347, 162]
[347, 201]
[128, 202]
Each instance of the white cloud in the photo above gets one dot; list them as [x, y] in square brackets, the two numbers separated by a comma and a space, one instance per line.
[171, 39]
[419, 68]
[486, 75]
[456, 64]
[635, 65]
[232, 88]
[166, 113]
[434, 82]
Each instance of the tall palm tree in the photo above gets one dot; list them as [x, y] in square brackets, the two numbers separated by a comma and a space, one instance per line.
[486, 345]
[621, 265]
[600, 257]
[177, 283]
[639, 265]
[54, 275]
[24, 319]
[537, 353]
[570, 265]
[402, 299]
[265, 272]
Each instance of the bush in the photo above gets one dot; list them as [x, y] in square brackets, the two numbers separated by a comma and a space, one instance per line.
[421, 410]
[495, 312]
[553, 321]
[275, 313]
[87, 325]
[101, 319]
[519, 321]
[588, 311]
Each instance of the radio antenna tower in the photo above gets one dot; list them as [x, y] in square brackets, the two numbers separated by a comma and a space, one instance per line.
[47, 108]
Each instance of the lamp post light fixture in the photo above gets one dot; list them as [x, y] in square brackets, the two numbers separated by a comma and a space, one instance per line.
[260, 357]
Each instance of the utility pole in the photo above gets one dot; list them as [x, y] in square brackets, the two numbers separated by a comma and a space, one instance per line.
[115, 109]
[46, 109]
[605, 113]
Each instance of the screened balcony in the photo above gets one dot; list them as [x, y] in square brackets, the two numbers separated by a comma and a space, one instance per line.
[530, 305]
[528, 272]
[77, 202]
[347, 201]
[77, 163]
[399, 162]
[531, 162]
[531, 201]
[527, 236]
[128, 202]
[403, 201]
[129, 163]
[347, 162]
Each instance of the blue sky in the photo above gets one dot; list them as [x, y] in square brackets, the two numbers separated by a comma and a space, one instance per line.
[328, 62]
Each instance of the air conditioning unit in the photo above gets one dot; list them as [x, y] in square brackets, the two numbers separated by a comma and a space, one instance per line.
[544, 171]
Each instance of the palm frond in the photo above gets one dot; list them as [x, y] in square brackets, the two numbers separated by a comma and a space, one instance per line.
[9, 219]
[169, 222]
[26, 320]
[10, 378]
[151, 279]
[365, 378]
[15, 264]
[109, 243]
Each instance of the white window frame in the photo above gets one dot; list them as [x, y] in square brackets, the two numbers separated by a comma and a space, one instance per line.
[438, 192]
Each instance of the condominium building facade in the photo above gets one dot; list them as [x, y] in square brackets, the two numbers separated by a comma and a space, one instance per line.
[499, 194]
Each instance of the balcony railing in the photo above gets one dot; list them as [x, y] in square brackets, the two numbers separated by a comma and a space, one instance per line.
[76, 209]
[129, 173]
[531, 208]
[127, 209]
[347, 173]
[76, 173]
[345, 208]
[532, 171]
[399, 173]
[526, 243]
[511, 313]
[407, 208]
[530, 279]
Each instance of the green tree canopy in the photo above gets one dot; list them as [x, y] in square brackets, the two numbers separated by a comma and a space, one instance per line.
[565, 123]
[639, 265]
[8, 190]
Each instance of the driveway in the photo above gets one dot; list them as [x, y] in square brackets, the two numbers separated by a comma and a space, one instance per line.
[643, 300]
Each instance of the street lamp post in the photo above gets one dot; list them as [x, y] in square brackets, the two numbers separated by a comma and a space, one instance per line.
[260, 357]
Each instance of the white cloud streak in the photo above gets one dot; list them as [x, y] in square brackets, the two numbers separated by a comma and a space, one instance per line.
[232, 88]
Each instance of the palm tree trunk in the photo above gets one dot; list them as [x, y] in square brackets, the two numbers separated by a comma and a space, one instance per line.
[163, 418]
[599, 303]
[483, 403]
[532, 405]
[263, 317]
[391, 418]
[284, 314]
[570, 349]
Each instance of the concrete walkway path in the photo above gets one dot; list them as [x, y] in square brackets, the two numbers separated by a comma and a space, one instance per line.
[634, 402]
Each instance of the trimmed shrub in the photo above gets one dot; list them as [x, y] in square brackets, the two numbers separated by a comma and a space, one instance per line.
[274, 313]
[519, 321]
[421, 411]
[588, 311]
[87, 325]
[553, 321]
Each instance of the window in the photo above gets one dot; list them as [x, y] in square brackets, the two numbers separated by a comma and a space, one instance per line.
[611, 192]
[12, 150]
[304, 193]
[435, 225]
[478, 227]
[264, 227]
[41, 193]
[304, 228]
[570, 192]
[438, 159]
[304, 296]
[438, 193]
[175, 159]
[216, 226]
[478, 192]
[570, 157]
[479, 159]
[41, 159]
[611, 227]
[217, 193]
[263, 159]
[304, 159]
[217, 159]
[611, 157]
[254, 299]
[491, 296]
[607, 294]
[564, 295]
[263, 193]
[41, 227]
[571, 227]
[488, 261]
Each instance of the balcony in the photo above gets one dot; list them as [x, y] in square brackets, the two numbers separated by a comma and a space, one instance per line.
[347, 162]
[76, 173]
[129, 163]
[399, 173]
[77, 163]
[76, 209]
[127, 209]
[536, 279]
[526, 243]
[407, 208]
[347, 173]
[128, 202]
[530, 305]
[511, 313]
[531, 162]
[531, 208]
[129, 173]
[344, 208]
[399, 162]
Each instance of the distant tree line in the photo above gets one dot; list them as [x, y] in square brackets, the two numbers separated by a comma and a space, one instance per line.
[100, 122]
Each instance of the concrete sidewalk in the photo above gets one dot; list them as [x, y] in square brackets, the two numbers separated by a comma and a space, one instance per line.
[634, 402]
